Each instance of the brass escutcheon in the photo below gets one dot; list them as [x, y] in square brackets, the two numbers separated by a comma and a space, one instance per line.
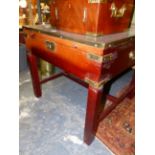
[50, 45]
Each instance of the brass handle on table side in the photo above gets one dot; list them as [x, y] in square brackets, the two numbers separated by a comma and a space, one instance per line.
[117, 13]
[131, 55]
[50, 45]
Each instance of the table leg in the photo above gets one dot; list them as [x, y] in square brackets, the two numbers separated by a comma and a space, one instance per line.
[34, 74]
[93, 102]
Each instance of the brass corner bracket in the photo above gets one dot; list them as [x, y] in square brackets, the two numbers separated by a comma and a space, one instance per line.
[94, 57]
[97, 85]
[102, 59]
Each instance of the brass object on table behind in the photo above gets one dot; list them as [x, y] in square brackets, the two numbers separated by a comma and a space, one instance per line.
[46, 69]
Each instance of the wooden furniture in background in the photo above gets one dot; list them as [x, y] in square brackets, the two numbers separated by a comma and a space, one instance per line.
[92, 17]
[27, 15]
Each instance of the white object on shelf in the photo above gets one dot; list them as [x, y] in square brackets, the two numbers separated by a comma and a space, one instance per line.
[23, 3]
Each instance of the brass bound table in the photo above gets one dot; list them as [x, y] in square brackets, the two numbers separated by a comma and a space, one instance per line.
[90, 61]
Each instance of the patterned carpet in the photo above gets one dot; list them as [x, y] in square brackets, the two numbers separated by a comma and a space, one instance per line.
[117, 130]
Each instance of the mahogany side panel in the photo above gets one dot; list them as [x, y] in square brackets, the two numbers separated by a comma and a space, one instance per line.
[70, 56]
[123, 58]
[68, 15]
[108, 24]
[74, 57]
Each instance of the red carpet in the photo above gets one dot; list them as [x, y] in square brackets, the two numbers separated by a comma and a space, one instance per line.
[117, 130]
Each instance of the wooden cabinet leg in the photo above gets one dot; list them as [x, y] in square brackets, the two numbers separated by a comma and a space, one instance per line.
[34, 74]
[93, 102]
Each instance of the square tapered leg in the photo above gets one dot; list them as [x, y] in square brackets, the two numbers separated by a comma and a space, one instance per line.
[93, 104]
[34, 74]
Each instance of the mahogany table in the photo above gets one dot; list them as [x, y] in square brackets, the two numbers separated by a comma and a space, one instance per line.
[90, 61]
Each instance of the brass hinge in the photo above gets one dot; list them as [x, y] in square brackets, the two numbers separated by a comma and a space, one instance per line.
[97, 85]
[97, 1]
[102, 59]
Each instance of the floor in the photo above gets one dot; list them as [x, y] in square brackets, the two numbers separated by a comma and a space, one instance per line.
[54, 123]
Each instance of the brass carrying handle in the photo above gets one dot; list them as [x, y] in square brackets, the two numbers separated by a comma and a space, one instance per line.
[117, 13]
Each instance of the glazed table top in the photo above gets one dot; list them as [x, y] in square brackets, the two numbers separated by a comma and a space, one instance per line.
[99, 41]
